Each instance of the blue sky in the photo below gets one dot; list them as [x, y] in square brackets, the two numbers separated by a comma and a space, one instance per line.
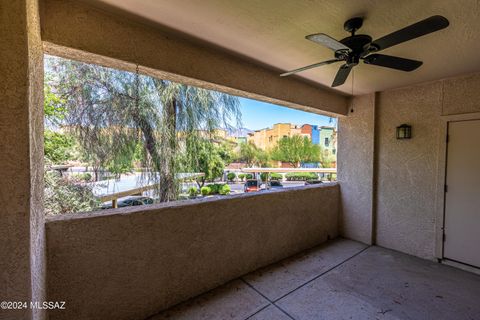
[258, 115]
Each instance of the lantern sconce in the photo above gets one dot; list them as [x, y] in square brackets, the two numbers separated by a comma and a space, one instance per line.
[404, 131]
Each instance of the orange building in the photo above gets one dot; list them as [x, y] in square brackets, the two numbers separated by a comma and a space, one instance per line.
[266, 139]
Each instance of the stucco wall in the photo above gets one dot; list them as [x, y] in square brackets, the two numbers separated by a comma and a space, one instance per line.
[408, 171]
[355, 168]
[461, 95]
[21, 158]
[133, 264]
[392, 186]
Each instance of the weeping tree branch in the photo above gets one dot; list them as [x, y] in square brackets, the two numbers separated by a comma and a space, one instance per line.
[112, 111]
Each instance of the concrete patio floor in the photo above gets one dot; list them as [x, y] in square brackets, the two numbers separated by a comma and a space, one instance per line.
[341, 279]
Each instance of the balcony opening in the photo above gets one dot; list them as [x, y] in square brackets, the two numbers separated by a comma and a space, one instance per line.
[116, 139]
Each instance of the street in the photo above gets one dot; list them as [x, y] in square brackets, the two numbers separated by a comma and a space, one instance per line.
[238, 186]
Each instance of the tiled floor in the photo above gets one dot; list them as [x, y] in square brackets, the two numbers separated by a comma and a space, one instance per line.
[342, 279]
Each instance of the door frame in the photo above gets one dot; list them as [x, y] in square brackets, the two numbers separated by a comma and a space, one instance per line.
[442, 177]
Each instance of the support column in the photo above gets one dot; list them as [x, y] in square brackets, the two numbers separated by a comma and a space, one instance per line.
[22, 267]
[356, 169]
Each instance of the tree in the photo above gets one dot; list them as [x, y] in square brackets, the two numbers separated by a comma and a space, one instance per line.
[58, 147]
[225, 151]
[252, 155]
[110, 110]
[247, 153]
[53, 106]
[262, 158]
[326, 159]
[296, 149]
[203, 156]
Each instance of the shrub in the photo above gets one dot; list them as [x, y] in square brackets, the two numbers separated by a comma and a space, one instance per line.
[276, 176]
[80, 177]
[225, 189]
[215, 187]
[272, 176]
[64, 196]
[301, 176]
[85, 176]
[205, 191]
[231, 176]
[249, 176]
[192, 192]
[241, 176]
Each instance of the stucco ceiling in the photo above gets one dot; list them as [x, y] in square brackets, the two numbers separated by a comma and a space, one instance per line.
[272, 32]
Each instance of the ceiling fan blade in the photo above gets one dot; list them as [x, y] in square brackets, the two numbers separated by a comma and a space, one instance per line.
[327, 41]
[392, 62]
[429, 25]
[341, 76]
[309, 67]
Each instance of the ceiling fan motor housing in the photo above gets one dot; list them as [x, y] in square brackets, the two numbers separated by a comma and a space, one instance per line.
[360, 47]
[353, 24]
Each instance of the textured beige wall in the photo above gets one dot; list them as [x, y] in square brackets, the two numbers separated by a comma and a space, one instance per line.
[355, 168]
[407, 169]
[461, 95]
[21, 157]
[392, 186]
[77, 25]
[135, 262]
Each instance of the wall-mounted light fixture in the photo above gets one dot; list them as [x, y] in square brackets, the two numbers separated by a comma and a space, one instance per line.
[404, 131]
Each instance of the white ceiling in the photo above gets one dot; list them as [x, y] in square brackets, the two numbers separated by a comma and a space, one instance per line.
[273, 31]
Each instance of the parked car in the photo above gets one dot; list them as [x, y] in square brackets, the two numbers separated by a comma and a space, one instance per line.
[308, 182]
[130, 201]
[274, 184]
[251, 185]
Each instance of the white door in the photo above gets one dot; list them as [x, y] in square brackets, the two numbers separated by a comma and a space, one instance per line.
[462, 197]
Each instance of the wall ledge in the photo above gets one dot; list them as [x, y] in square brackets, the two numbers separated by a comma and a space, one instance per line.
[155, 208]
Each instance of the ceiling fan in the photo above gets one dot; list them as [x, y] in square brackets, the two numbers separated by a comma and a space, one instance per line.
[354, 48]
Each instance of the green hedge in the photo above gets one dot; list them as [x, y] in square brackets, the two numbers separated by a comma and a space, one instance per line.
[241, 176]
[231, 176]
[249, 176]
[272, 176]
[301, 176]
[276, 176]
[215, 188]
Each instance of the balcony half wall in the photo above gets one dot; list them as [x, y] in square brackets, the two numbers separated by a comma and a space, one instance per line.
[130, 263]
